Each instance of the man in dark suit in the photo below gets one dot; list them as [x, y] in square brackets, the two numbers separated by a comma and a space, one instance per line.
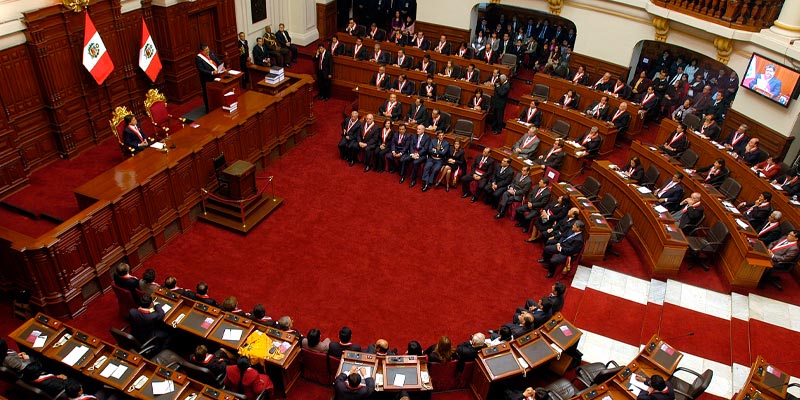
[580, 77]
[620, 89]
[379, 56]
[418, 153]
[285, 41]
[421, 41]
[367, 136]
[350, 128]
[122, 277]
[436, 153]
[335, 349]
[515, 191]
[499, 99]
[671, 193]
[360, 51]
[570, 245]
[758, 211]
[737, 140]
[481, 170]
[324, 66]
[403, 85]
[752, 153]
[375, 33]
[381, 79]
[536, 200]
[591, 141]
[548, 219]
[428, 89]
[677, 143]
[499, 181]
[658, 388]
[337, 48]
[146, 320]
[487, 55]
[620, 118]
[715, 173]
[417, 113]
[244, 58]
[443, 46]
[399, 148]
[553, 158]
[260, 55]
[689, 213]
[133, 136]
[391, 108]
[771, 231]
[505, 44]
[403, 61]
[599, 109]
[532, 115]
[208, 66]
[710, 128]
[470, 74]
[201, 294]
[381, 149]
[425, 65]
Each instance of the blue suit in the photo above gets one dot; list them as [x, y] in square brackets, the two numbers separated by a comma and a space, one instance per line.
[571, 244]
[399, 146]
[672, 197]
[419, 145]
[436, 155]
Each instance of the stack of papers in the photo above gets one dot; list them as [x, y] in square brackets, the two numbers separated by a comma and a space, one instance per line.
[160, 388]
[113, 370]
[75, 355]
[660, 209]
[232, 335]
[644, 190]
[399, 380]
[742, 224]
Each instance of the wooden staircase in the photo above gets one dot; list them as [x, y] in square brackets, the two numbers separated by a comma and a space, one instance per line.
[240, 218]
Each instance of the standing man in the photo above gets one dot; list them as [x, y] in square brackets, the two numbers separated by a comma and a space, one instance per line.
[286, 41]
[499, 99]
[324, 67]
[244, 59]
[208, 66]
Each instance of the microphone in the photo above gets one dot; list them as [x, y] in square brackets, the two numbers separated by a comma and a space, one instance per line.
[679, 336]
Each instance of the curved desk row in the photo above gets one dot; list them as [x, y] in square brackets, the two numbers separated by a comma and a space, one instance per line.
[572, 162]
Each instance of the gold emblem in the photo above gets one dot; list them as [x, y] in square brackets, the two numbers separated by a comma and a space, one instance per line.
[75, 5]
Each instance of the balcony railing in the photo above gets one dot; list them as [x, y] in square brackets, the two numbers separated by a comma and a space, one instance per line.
[749, 15]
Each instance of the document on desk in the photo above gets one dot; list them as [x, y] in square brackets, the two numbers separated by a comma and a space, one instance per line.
[158, 145]
[660, 209]
[163, 387]
[75, 355]
[399, 380]
[232, 334]
[378, 379]
[776, 186]
[109, 369]
[39, 342]
[742, 224]
[166, 307]
[636, 386]
[644, 190]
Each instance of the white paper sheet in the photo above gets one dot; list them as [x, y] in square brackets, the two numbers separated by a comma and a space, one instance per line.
[163, 387]
[644, 190]
[119, 371]
[39, 342]
[75, 355]
[232, 334]
[108, 370]
[399, 380]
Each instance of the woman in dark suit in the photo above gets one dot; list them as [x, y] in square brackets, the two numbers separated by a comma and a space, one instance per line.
[569, 100]
[455, 162]
[634, 171]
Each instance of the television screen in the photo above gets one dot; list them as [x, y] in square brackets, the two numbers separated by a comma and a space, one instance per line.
[770, 79]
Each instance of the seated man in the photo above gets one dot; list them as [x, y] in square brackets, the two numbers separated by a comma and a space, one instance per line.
[526, 146]
[403, 86]
[789, 183]
[375, 33]
[381, 79]
[516, 191]
[391, 108]
[259, 315]
[350, 129]
[604, 83]
[752, 153]
[349, 386]
[421, 41]
[497, 183]
[648, 107]
[381, 348]
[261, 54]
[710, 128]
[677, 143]
[146, 321]
[737, 140]
[73, 390]
[171, 284]
[344, 344]
[553, 158]
[771, 230]
[436, 153]
[689, 213]
[285, 41]
[436, 122]
[313, 341]
[274, 49]
[360, 51]
[715, 173]
[487, 55]
[443, 46]
[123, 278]
[379, 56]
[428, 89]
[532, 115]
[470, 74]
[201, 294]
[569, 245]
[620, 118]
[543, 312]
[581, 77]
[658, 389]
[216, 362]
[417, 154]
[494, 78]
[620, 89]
[768, 168]
[231, 304]
[366, 137]
[403, 61]
[556, 297]
[337, 48]
[758, 211]
[401, 143]
[376, 154]
[784, 249]
[536, 199]
[417, 113]
[133, 136]
[35, 375]
[547, 219]
[671, 193]
[591, 141]
[680, 112]
[425, 65]
[469, 350]
[15, 361]
[286, 324]
[148, 283]
[481, 171]
[599, 109]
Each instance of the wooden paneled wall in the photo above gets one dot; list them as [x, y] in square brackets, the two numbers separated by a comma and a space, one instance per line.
[326, 20]
[434, 31]
[54, 108]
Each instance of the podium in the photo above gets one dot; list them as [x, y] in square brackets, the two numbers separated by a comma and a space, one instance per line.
[241, 179]
[216, 89]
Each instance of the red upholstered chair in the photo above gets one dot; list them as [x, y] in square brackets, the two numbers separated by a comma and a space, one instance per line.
[444, 375]
[463, 379]
[333, 366]
[124, 300]
[155, 105]
[117, 123]
[315, 367]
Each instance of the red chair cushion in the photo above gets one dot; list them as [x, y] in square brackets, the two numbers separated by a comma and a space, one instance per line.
[315, 366]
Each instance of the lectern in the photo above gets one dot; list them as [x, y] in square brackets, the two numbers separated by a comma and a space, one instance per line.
[241, 179]
[216, 89]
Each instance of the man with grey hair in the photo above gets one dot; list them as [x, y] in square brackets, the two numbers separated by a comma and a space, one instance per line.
[690, 213]
[468, 351]
[771, 230]
[501, 90]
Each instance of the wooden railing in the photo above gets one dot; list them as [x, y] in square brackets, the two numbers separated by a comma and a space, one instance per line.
[749, 15]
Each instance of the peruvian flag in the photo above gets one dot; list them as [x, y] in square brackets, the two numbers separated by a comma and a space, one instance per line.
[149, 61]
[95, 56]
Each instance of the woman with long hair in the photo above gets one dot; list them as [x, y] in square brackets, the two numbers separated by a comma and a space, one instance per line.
[454, 163]
[442, 351]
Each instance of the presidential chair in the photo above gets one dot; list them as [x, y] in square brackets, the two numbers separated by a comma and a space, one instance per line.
[541, 92]
[690, 391]
[710, 244]
[155, 105]
[117, 123]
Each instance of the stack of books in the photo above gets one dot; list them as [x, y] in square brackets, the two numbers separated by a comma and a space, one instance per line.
[230, 101]
[275, 75]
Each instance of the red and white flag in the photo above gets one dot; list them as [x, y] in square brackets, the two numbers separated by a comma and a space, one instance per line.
[95, 56]
[149, 61]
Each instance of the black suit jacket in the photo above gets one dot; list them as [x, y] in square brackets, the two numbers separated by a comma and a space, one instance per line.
[771, 235]
[283, 38]
[386, 83]
[397, 111]
[383, 58]
[535, 120]
[691, 217]
[716, 178]
[405, 64]
[206, 70]
[487, 166]
[539, 201]
[327, 64]
[343, 392]
[339, 50]
[502, 177]
[362, 53]
[369, 136]
[423, 90]
[445, 49]
[336, 349]
[622, 122]
[592, 146]
[260, 54]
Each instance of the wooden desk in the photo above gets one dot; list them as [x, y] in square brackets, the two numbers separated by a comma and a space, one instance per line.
[597, 227]
[351, 73]
[370, 99]
[768, 379]
[559, 86]
[493, 364]
[574, 154]
[743, 257]
[441, 59]
[663, 242]
[216, 89]
[241, 179]
[534, 349]
[579, 123]
[656, 357]
[412, 368]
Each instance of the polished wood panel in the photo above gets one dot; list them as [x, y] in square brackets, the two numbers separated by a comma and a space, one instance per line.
[326, 20]
[733, 14]
[579, 123]
[769, 139]
[433, 31]
[560, 86]
[597, 67]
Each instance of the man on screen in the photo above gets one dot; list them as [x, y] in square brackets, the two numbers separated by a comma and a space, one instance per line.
[767, 84]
